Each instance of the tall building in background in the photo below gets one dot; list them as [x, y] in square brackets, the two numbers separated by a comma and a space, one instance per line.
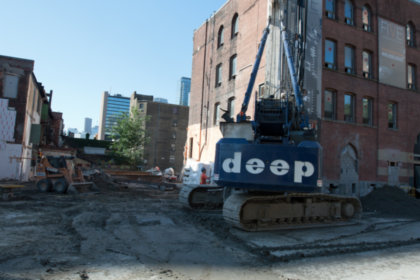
[167, 128]
[112, 107]
[94, 131]
[88, 125]
[184, 91]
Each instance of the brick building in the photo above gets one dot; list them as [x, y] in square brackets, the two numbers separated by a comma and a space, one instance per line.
[365, 95]
[24, 118]
[167, 130]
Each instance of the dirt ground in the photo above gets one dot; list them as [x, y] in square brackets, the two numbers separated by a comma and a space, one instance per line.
[138, 231]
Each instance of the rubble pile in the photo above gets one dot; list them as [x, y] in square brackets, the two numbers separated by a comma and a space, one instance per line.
[104, 181]
[391, 201]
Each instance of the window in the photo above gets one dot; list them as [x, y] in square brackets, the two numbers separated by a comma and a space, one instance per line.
[219, 75]
[348, 12]
[235, 27]
[231, 107]
[392, 115]
[349, 108]
[216, 116]
[38, 109]
[367, 64]
[232, 67]
[330, 54]
[171, 158]
[330, 9]
[330, 104]
[34, 98]
[366, 19]
[367, 104]
[10, 86]
[349, 60]
[220, 39]
[261, 90]
[410, 35]
[411, 76]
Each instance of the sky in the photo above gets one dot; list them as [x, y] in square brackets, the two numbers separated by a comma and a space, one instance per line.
[84, 47]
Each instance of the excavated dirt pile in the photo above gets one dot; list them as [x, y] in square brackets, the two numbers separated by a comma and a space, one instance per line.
[391, 201]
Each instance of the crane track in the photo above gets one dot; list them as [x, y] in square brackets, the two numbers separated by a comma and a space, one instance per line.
[201, 196]
[296, 210]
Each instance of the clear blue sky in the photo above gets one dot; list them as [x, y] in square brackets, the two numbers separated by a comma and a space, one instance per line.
[84, 47]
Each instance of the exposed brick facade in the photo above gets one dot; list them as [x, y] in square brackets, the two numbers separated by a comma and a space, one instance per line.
[166, 128]
[377, 154]
[377, 147]
[203, 131]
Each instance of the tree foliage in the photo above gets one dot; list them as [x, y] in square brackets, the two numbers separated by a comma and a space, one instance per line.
[129, 137]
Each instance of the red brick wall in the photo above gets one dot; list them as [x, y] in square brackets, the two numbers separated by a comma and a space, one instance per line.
[368, 140]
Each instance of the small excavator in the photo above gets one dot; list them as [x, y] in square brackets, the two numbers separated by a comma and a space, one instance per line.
[61, 174]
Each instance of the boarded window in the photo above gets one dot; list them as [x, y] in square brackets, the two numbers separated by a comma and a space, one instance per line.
[366, 19]
[349, 115]
[367, 111]
[392, 115]
[367, 64]
[330, 104]
[35, 134]
[10, 88]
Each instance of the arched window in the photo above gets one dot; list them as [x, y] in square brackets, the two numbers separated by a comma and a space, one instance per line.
[349, 12]
[411, 35]
[366, 18]
[219, 75]
[220, 39]
[235, 27]
[232, 67]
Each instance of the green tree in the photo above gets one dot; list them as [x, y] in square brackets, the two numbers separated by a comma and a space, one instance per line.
[129, 137]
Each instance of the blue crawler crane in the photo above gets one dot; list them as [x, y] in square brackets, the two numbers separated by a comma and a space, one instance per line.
[270, 168]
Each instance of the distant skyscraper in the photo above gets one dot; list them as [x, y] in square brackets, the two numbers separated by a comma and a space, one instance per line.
[112, 107]
[88, 125]
[184, 91]
[95, 130]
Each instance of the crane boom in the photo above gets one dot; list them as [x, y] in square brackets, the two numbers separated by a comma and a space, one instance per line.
[241, 117]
